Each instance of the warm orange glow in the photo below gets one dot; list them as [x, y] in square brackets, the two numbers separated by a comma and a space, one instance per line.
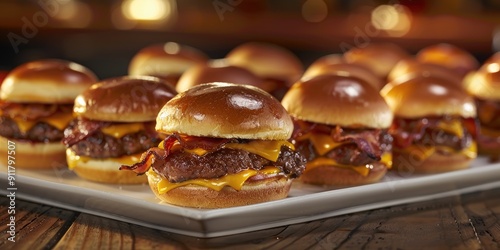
[147, 10]
[314, 10]
[74, 13]
[394, 19]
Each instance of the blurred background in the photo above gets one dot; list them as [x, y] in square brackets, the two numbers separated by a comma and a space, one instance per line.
[104, 34]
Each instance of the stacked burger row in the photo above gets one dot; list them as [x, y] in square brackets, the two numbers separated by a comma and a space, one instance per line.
[234, 131]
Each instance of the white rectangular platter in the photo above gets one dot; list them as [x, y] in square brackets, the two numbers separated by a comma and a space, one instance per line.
[136, 203]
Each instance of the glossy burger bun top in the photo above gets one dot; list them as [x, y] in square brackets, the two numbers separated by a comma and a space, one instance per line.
[267, 61]
[124, 99]
[338, 100]
[485, 83]
[345, 69]
[46, 81]
[449, 56]
[165, 59]
[412, 67]
[378, 57]
[225, 110]
[217, 71]
[428, 96]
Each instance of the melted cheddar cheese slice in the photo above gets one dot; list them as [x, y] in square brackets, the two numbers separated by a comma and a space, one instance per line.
[267, 149]
[58, 120]
[324, 143]
[74, 159]
[235, 181]
[453, 127]
[363, 170]
[120, 130]
[423, 152]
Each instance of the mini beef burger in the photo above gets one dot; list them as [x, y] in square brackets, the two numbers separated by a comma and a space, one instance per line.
[226, 145]
[36, 106]
[341, 127]
[484, 86]
[434, 125]
[114, 125]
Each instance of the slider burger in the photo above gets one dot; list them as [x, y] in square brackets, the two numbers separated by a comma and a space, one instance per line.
[167, 61]
[341, 127]
[217, 71]
[345, 69]
[276, 65]
[36, 102]
[113, 125]
[434, 125]
[484, 86]
[450, 56]
[378, 57]
[413, 68]
[226, 145]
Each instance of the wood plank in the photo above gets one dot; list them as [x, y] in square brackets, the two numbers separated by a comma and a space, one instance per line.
[93, 232]
[35, 225]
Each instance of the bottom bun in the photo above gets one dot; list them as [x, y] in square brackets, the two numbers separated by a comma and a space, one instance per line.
[329, 175]
[33, 155]
[103, 170]
[203, 197]
[407, 163]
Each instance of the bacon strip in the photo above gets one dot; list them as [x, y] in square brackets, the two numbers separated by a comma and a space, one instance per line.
[153, 156]
[366, 140]
[79, 129]
[157, 156]
[31, 111]
[406, 131]
[206, 143]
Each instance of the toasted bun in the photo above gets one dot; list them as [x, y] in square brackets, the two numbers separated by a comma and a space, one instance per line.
[338, 100]
[226, 110]
[124, 99]
[407, 163]
[411, 67]
[346, 69]
[428, 96]
[484, 83]
[449, 56]
[327, 60]
[206, 73]
[103, 171]
[267, 61]
[31, 155]
[203, 197]
[338, 176]
[378, 57]
[165, 59]
[46, 81]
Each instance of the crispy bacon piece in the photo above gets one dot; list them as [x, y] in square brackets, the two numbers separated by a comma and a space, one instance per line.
[206, 143]
[79, 129]
[366, 140]
[148, 159]
[157, 155]
[31, 111]
[410, 131]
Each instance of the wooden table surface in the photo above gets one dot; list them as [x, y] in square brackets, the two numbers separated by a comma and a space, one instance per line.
[468, 221]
